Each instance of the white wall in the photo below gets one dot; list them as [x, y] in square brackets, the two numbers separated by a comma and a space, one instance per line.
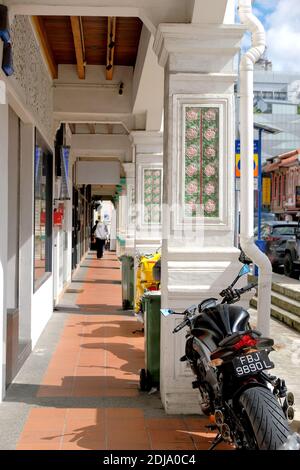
[13, 211]
[97, 172]
[26, 232]
[88, 145]
[3, 239]
[148, 85]
[76, 99]
[42, 309]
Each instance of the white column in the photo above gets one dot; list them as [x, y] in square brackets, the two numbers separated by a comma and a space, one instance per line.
[113, 228]
[148, 189]
[3, 234]
[198, 254]
[26, 253]
[129, 209]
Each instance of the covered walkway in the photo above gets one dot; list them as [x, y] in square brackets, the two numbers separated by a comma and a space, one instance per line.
[80, 387]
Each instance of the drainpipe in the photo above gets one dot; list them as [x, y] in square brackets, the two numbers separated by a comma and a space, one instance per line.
[247, 181]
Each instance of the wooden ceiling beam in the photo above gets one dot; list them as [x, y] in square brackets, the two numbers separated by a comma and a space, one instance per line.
[92, 128]
[110, 49]
[72, 128]
[78, 45]
[109, 128]
[45, 45]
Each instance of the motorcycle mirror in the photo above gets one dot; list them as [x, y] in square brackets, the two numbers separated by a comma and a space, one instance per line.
[166, 311]
[244, 270]
[244, 259]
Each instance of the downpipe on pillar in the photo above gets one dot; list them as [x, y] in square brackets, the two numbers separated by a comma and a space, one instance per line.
[247, 182]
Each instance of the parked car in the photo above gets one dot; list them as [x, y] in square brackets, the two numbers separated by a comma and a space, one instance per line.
[292, 254]
[265, 217]
[276, 235]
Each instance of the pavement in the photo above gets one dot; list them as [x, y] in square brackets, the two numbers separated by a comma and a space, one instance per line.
[286, 358]
[79, 389]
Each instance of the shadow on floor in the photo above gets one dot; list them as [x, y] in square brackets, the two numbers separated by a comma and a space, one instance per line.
[98, 281]
[128, 329]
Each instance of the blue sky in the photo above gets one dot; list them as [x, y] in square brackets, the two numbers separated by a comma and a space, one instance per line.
[281, 19]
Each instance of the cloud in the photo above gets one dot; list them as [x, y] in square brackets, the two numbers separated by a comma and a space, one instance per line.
[281, 19]
[283, 36]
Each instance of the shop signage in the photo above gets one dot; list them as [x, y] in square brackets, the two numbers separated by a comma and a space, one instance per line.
[238, 158]
[266, 191]
[58, 214]
[64, 159]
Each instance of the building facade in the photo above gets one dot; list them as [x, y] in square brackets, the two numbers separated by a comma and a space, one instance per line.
[284, 172]
[135, 104]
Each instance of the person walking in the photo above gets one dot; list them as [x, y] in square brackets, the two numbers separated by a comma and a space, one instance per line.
[101, 233]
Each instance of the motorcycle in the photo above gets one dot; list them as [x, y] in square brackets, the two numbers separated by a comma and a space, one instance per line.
[247, 406]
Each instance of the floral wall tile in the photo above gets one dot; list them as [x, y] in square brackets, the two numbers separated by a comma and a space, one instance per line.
[201, 157]
[152, 195]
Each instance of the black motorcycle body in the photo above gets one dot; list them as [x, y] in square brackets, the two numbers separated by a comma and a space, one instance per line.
[230, 362]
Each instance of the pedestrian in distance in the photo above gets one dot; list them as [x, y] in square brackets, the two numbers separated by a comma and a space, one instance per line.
[101, 233]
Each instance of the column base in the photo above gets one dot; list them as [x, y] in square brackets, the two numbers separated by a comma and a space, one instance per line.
[191, 277]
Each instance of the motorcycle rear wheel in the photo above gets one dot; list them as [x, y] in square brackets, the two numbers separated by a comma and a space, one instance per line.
[269, 425]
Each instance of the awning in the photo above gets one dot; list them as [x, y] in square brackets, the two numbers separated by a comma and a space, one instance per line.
[289, 161]
[271, 167]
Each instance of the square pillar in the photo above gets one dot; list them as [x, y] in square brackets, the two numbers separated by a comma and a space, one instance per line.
[148, 190]
[198, 254]
[3, 235]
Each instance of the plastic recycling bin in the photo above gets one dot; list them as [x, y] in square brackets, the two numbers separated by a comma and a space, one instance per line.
[127, 281]
[149, 377]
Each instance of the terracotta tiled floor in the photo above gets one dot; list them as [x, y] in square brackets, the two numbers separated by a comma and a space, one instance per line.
[99, 356]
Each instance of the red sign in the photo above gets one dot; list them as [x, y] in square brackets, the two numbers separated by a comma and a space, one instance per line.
[43, 217]
[58, 217]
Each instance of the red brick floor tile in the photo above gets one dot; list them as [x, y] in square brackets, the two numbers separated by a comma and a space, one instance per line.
[98, 355]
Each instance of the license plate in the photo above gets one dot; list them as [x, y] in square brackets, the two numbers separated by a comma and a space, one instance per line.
[252, 363]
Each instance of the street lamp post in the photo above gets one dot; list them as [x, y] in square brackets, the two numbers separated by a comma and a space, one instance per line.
[268, 130]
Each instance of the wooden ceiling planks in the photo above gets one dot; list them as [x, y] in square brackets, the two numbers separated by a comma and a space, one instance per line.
[60, 37]
[60, 40]
[95, 38]
[127, 40]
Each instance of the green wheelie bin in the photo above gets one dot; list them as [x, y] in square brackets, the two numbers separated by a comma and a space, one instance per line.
[149, 377]
[127, 281]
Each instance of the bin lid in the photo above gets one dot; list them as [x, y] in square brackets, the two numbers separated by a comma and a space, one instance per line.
[153, 293]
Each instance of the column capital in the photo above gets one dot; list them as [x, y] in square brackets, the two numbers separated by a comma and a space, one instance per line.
[197, 47]
[147, 141]
[129, 169]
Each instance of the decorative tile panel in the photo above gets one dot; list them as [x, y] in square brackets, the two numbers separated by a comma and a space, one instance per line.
[152, 184]
[201, 161]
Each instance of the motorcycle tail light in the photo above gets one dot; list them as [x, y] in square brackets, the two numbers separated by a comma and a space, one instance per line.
[245, 342]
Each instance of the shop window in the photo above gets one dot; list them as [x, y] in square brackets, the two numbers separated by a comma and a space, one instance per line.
[280, 95]
[267, 95]
[42, 211]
